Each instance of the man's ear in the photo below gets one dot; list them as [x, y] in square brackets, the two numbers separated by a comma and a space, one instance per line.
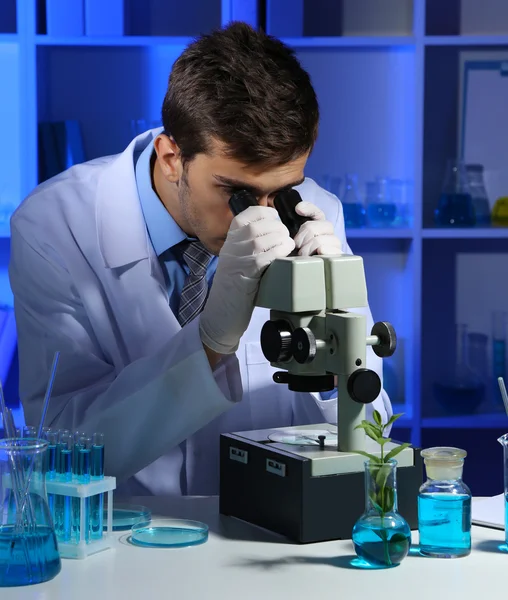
[169, 157]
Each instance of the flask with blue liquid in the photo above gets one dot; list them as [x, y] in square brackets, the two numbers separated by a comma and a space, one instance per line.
[381, 209]
[444, 505]
[352, 205]
[455, 207]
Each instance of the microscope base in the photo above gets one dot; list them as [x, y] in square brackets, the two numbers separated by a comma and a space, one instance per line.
[306, 493]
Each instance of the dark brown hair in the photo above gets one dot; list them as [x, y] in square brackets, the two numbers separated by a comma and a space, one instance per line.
[245, 89]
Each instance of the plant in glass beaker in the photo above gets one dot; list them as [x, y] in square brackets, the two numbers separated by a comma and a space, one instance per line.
[381, 536]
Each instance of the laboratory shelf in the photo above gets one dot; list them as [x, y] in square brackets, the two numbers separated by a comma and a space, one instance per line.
[479, 421]
[8, 38]
[374, 233]
[466, 40]
[134, 40]
[349, 41]
[464, 233]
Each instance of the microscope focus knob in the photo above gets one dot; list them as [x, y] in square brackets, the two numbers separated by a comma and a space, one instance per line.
[364, 386]
[303, 345]
[387, 339]
[276, 341]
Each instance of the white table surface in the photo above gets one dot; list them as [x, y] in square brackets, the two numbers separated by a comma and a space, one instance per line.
[248, 563]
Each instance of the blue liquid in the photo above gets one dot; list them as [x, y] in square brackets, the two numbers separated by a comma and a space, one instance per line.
[444, 522]
[455, 210]
[41, 549]
[97, 502]
[506, 518]
[354, 214]
[482, 212]
[499, 358]
[381, 214]
[373, 549]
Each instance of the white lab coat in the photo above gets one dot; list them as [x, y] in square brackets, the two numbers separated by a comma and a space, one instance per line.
[87, 282]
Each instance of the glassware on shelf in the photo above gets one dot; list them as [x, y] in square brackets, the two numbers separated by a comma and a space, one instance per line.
[500, 212]
[478, 355]
[499, 344]
[401, 194]
[460, 390]
[381, 536]
[479, 195]
[354, 211]
[28, 545]
[455, 206]
[444, 505]
[381, 210]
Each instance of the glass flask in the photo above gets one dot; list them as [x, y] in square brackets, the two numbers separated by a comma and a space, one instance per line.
[479, 195]
[460, 390]
[381, 536]
[455, 206]
[503, 440]
[381, 210]
[444, 505]
[354, 211]
[401, 194]
[28, 545]
[500, 212]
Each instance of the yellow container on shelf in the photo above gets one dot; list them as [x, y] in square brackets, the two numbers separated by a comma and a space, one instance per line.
[500, 212]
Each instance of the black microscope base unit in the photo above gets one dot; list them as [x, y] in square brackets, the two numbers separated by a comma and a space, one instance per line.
[274, 489]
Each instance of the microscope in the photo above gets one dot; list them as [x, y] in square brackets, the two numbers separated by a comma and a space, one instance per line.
[307, 482]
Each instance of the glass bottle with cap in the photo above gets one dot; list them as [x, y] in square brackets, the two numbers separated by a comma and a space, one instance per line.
[444, 505]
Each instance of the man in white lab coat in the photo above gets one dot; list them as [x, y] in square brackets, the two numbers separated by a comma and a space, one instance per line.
[133, 267]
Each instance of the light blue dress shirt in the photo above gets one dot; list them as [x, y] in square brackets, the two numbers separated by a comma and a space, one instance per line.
[166, 236]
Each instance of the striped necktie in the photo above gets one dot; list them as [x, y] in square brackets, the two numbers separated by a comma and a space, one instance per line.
[195, 289]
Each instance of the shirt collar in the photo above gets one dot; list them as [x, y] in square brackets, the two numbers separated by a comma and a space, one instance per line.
[162, 228]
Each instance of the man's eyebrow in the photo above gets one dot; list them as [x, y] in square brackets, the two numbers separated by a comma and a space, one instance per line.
[242, 185]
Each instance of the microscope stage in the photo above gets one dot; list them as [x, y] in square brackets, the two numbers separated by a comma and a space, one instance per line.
[303, 441]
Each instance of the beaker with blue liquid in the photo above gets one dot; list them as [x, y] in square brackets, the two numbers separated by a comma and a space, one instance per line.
[352, 205]
[455, 206]
[28, 546]
[381, 209]
[503, 440]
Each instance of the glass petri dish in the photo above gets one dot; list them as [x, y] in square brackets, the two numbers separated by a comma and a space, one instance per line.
[169, 533]
[127, 515]
[304, 437]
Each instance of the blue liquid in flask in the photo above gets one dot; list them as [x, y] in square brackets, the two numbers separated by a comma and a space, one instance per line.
[28, 558]
[381, 546]
[444, 524]
[381, 214]
[354, 214]
[455, 210]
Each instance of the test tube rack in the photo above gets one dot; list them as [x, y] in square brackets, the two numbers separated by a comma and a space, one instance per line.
[82, 548]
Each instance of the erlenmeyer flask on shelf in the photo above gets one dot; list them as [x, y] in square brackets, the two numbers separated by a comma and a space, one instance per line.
[381, 210]
[354, 211]
[455, 206]
[460, 390]
[479, 195]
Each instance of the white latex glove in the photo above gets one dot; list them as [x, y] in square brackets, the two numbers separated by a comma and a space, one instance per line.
[255, 239]
[316, 236]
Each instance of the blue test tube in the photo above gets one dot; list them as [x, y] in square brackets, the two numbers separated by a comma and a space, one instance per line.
[97, 472]
[77, 437]
[83, 477]
[63, 503]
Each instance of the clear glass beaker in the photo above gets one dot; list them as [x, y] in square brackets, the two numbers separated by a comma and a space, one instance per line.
[460, 390]
[503, 440]
[381, 210]
[455, 206]
[352, 205]
[28, 545]
[479, 195]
